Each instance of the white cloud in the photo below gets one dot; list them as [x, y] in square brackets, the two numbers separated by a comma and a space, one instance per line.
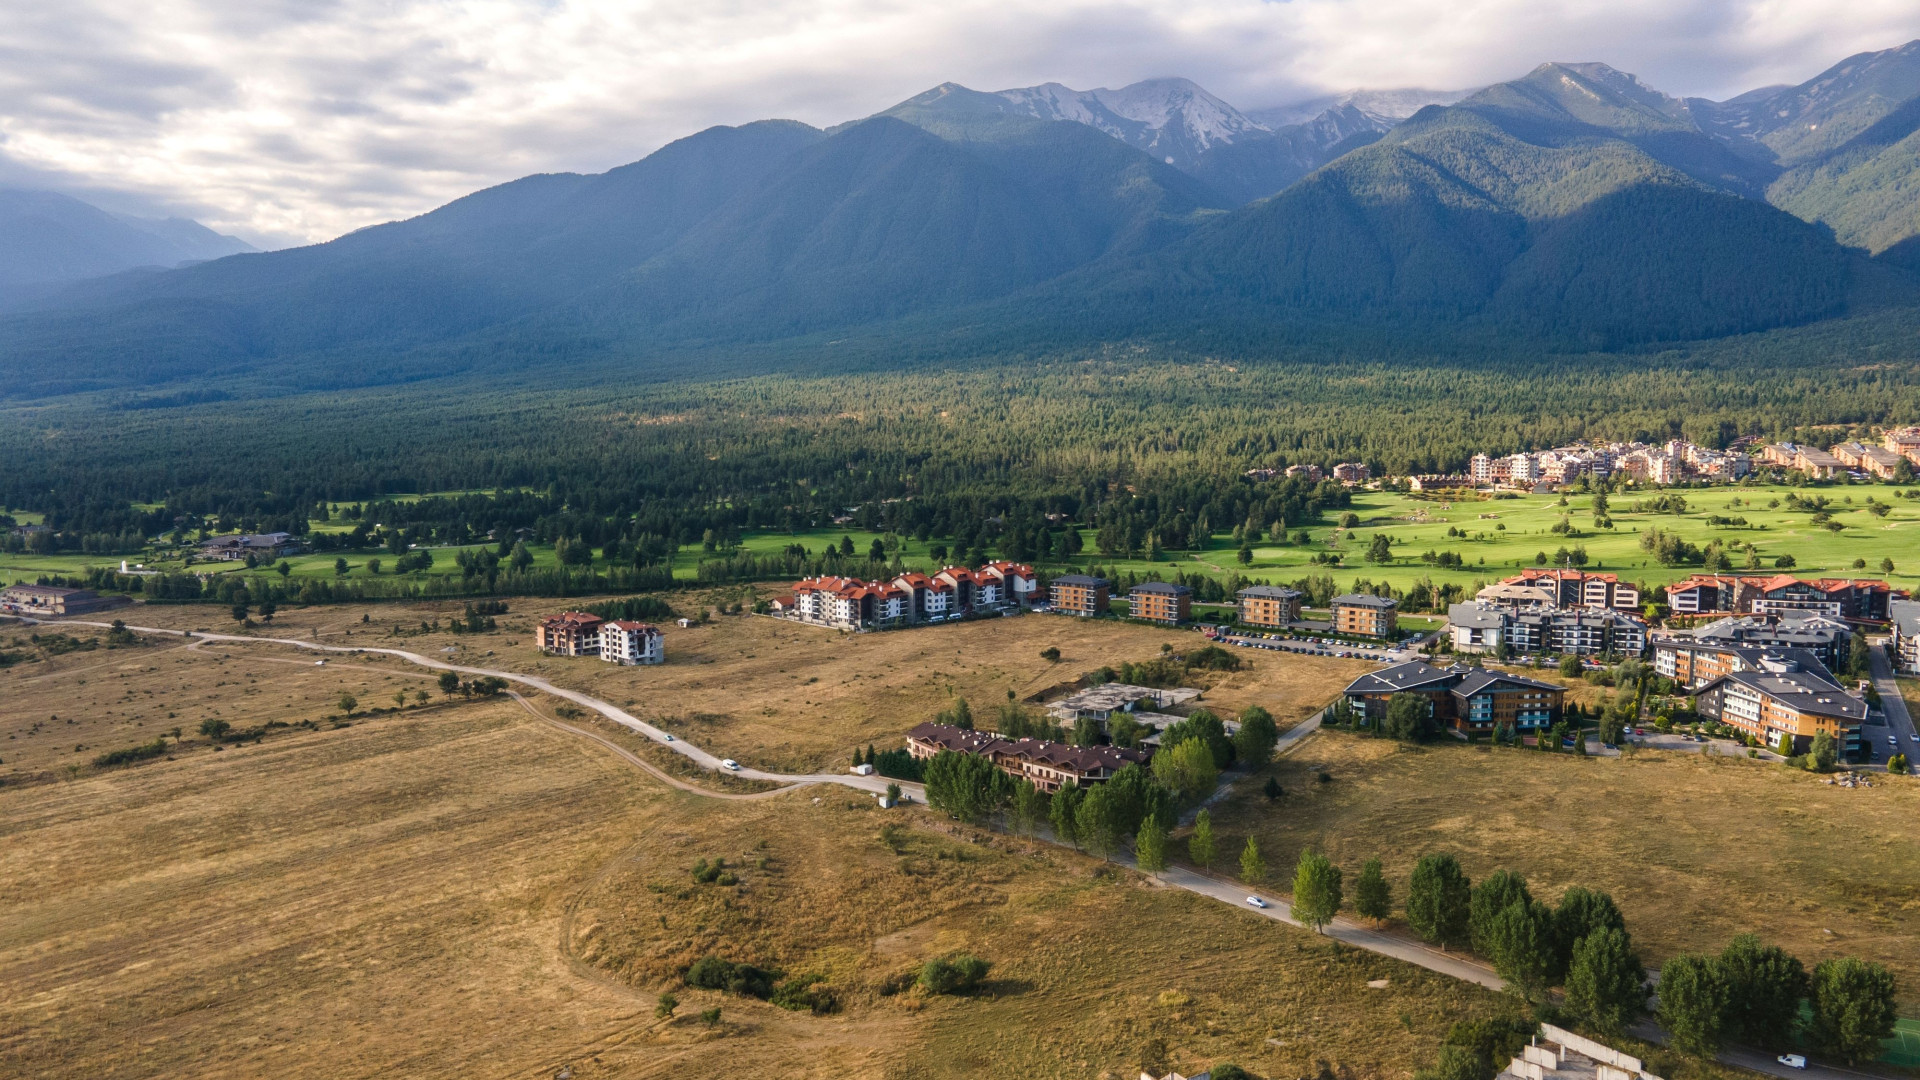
[287, 120]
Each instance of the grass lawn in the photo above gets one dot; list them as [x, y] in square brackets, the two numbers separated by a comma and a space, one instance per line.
[1693, 849]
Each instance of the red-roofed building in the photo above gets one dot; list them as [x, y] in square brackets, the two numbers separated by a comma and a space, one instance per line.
[570, 633]
[1014, 584]
[1581, 588]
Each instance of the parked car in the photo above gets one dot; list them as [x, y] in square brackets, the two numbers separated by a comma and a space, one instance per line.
[1256, 901]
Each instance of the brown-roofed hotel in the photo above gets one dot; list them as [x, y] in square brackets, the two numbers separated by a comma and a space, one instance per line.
[1046, 763]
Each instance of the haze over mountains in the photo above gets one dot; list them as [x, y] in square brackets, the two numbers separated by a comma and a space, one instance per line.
[47, 237]
[1574, 208]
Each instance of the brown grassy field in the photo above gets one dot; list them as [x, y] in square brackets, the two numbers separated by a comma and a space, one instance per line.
[1694, 849]
[780, 696]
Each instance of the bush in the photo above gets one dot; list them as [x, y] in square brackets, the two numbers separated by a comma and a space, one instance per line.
[143, 752]
[705, 872]
[959, 973]
[806, 993]
[712, 973]
[214, 728]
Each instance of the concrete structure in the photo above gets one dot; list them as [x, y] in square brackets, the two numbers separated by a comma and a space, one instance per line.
[1078, 594]
[1693, 663]
[570, 633]
[1858, 599]
[1158, 601]
[1479, 626]
[1352, 472]
[1904, 619]
[1828, 638]
[1268, 605]
[1467, 699]
[913, 598]
[1048, 764]
[1875, 461]
[1103, 702]
[55, 600]
[1438, 483]
[1365, 616]
[632, 643]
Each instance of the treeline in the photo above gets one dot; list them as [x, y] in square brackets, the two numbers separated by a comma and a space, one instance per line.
[189, 587]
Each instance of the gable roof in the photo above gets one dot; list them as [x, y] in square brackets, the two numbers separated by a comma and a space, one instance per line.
[1363, 600]
[1162, 588]
[1798, 690]
[1268, 592]
[1480, 679]
[1412, 675]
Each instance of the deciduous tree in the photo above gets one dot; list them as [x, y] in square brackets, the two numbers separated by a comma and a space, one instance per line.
[1253, 868]
[1372, 896]
[1150, 847]
[1853, 1007]
[1439, 898]
[1490, 898]
[1764, 988]
[1606, 986]
[1316, 888]
[1693, 1003]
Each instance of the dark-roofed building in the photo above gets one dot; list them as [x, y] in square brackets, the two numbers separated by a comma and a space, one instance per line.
[1471, 700]
[1696, 663]
[55, 600]
[1048, 764]
[271, 545]
[1780, 700]
[1078, 594]
[1477, 627]
[1268, 605]
[1484, 627]
[1484, 700]
[1158, 601]
[1825, 637]
[1365, 616]
[1903, 616]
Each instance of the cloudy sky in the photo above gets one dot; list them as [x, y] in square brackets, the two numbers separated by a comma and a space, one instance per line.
[289, 121]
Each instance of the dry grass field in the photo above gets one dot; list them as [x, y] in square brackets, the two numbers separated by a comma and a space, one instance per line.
[780, 696]
[1694, 849]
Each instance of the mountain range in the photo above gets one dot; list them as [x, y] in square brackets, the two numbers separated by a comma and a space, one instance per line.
[1572, 208]
[47, 237]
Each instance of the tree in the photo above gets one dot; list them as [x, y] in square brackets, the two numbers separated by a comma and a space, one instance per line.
[1380, 549]
[966, 786]
[710, 1017]
[1253, 743]
[214, 728]
[1439, 898]
[1372, 896]
[283, 568]
[1050, 654]
[1693, 1003]
[1029, 808]
[1410, 718]
[1570, 666]
[1897, 765]
[1096, 821]
[1272, 789]
[1253, 868]
[1316, 888]
[1606, 986]
[449, 683]
[1581, 912]
[1886, 566]
[1150, 847]
[1520, 944]
[1853, 1007]
[1203, 725]
[1245, 555]
[664, 1009]
[1764, 988]
[1825, 751]
[240, 612]
[1063, 810]
[1491, 898]
[340, 567]
[959, 715]
[348, 703]
[1456, 1063]
[520, 559]
[1186, 769]
[1200, 844]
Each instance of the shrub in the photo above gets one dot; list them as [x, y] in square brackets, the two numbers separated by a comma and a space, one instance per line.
[712, 973]
[668, 1003]
[710, 1017]
[806, 993]
[958, 973]
[214, 728]
[131, 754]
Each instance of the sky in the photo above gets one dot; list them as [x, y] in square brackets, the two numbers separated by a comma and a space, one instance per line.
[294, 121]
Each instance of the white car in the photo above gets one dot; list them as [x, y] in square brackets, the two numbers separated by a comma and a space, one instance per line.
[669, 738]
[1256, 901]
[729, 763]
[1792, 1061]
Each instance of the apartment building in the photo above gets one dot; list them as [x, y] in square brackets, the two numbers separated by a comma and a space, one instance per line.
[913, 598]
[1780, 700]
[570, 633]
[1862, 599]
[1825, 637]
[1863, 458]
[1904, 441]
[1903, 618]
[1158, 601]
[1078, 594]
[1366, 616]
[1352, 472]
[1470, 700]
[1581, 588]
[1480, 626]
[1048, 765]
[1696, 663]
[55, 600]
[623, 642]
[1268, 605]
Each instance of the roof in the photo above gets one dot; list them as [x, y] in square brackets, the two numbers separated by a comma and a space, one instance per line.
[1081, 580]
[575, 618]
[1476, 615]
[1363, 600]
[52, 591]
[1810, 630]
[1412, 675]
[635, 627]
[1268, 592]
[1905, 614]
[1519, 594]
[1162, 588]
[1798, 690]
[1066, 756]
[1479, 680]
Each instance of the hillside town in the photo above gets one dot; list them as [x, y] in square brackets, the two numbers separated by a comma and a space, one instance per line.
[1680, 461]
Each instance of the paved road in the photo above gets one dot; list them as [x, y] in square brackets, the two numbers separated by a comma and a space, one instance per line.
[1899, 721]
[1226, 892]
[874, 784]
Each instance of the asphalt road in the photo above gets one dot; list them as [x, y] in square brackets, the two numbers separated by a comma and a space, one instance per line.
[1899, 721]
